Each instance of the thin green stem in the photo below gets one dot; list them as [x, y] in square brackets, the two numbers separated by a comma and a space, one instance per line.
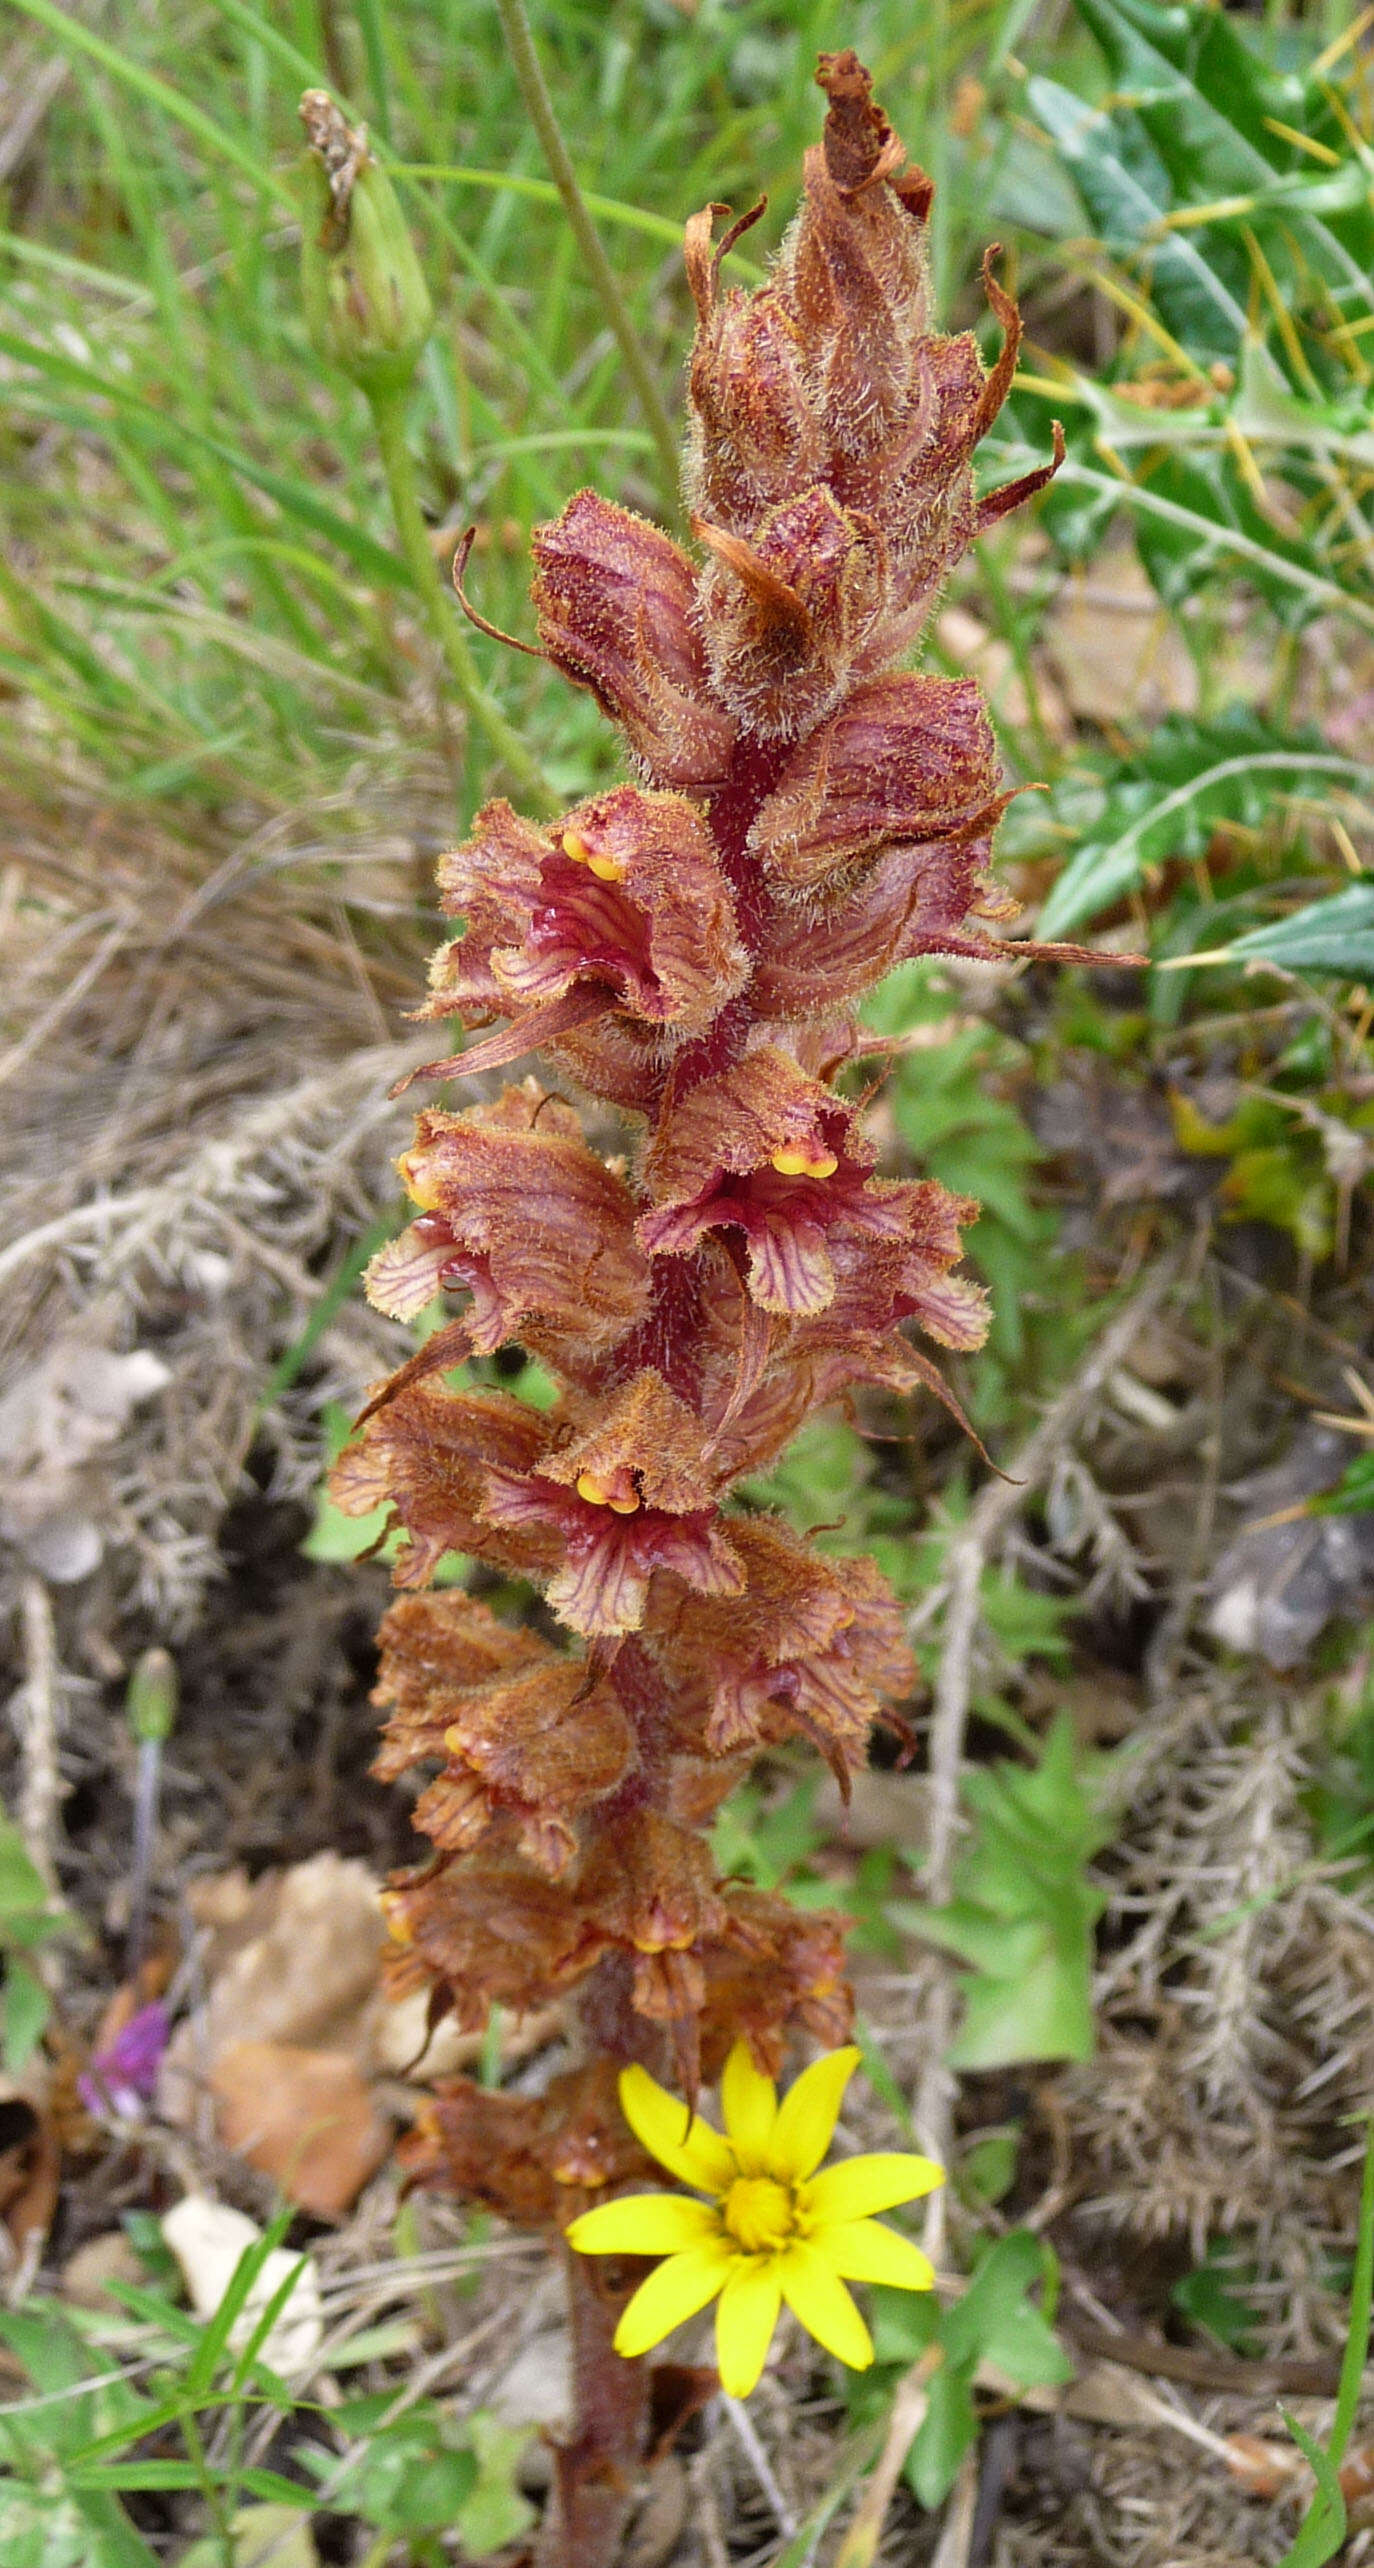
[220, 2514]
[388, 412]
[525, 63]
[389, 417]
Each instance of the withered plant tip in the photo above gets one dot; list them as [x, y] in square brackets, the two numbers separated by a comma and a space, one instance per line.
[686, 950]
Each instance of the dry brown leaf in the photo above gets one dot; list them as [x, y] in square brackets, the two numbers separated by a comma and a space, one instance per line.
[294, 1961]
[30, 2171]
[305, 2118]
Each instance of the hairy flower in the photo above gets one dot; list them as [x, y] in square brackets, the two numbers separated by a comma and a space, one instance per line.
[765, 1151]
[814, 1647]
[632, 1496]
[516, 1210]
[623, 911]
[773, 2228]
[617, 605]
[521, 1732]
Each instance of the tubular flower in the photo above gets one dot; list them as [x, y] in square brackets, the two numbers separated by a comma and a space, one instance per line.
[776, 2227]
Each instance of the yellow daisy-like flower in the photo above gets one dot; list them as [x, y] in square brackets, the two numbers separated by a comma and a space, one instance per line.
[774, 2230]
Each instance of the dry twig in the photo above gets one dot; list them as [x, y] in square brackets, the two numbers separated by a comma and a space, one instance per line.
[965, 1563]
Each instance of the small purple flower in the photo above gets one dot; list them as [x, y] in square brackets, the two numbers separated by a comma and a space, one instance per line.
[122, 2077]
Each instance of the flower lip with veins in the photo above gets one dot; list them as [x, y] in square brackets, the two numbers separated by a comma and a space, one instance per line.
[626, 894]
[777, 2227]
[765, 1150]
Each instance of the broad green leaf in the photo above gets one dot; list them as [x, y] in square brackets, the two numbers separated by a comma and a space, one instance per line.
[495, 2512]
[1023, 1911]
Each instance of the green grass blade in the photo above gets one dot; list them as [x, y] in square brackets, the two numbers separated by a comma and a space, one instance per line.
[158, 92]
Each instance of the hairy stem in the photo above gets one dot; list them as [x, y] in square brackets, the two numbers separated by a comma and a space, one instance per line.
[534, 91]
[594, 2473]
[388, 412]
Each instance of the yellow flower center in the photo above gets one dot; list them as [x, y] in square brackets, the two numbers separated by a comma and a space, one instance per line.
[760, 2213]
[796, 1160]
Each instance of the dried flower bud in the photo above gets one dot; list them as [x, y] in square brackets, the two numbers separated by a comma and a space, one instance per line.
[538, 2160]
[367, 306]
[904, 758]
[786, 611]
[616, 602]
[426, 1453]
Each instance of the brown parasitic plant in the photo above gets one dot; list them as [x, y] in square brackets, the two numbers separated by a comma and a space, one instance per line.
[685, 952]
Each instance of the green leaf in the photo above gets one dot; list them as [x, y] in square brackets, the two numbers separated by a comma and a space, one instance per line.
[1126, 187]
[1022, 1915]
[214, 2343]
[947, 2431]
[994, 2322]
[265, 2536]
[1322, 2530]
[1353, 1494]
[495, 2512]
[22, 1887]
[1166, 801]
[27, 2007]
[1335, 935]
[1207, 2298]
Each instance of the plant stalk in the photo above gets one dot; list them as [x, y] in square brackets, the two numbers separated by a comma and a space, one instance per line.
[389, 418]
[594, 2474]
[533, 89]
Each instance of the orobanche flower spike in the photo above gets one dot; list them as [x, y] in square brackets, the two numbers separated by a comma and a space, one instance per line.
[774, 2230]
[672, 1205]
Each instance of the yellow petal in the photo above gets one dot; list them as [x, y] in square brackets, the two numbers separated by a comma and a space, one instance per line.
[745, 2321]
[681, 2141]
[808, 2114]
[673, 2292]
[855, 2186]
[749, 2102]
[643, 2225]
[812, 2288]
[865, 2252]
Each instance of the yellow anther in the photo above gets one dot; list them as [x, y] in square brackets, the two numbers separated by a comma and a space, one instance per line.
[398, 1925]
[802, 1159]
[576, 847]
[421, 1185]
[607, 869]
[618, 1494]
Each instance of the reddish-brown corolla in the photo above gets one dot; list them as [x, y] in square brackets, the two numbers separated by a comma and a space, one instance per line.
[684, 951]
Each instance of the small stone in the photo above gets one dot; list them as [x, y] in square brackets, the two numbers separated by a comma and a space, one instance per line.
[92, 2267]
